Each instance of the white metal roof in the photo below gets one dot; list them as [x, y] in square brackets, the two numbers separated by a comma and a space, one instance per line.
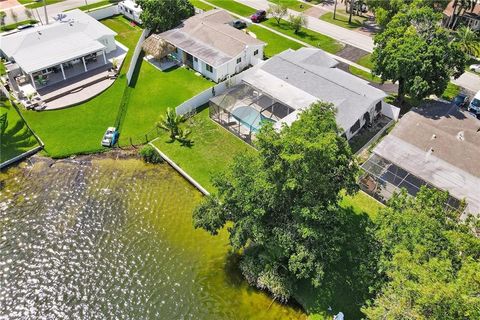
[74, 35]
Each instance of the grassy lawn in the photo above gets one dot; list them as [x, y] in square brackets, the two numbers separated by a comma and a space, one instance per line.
[201, 5]
[96, 5]
[342, 20]
[293, 4]
[311, 37]
[17, 138]
[451, 91]
[154, 92]
[275, 42]
[40, 4]
[366, 61]
[79, 129]
[212, 151]
[12, 26]
[233, 6]
[364, 74]
[2, 68]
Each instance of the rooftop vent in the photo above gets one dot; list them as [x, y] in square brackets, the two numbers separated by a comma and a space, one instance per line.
[434, 136]
[461, 136]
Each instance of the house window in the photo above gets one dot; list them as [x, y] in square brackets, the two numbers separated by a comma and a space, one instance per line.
[209, 68]
[195, 59]
[239, 60]
[255, 52]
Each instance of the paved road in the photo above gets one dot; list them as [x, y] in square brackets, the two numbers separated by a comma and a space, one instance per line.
[52, 10]
[350, 37]
[468, 80]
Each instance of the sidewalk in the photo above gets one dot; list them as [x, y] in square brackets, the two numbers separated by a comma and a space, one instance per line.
[467, 80]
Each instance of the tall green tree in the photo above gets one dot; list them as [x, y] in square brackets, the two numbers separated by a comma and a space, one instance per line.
[162, 15]
[431, 261]
[415, 51]
[297, 22]
[282, 202]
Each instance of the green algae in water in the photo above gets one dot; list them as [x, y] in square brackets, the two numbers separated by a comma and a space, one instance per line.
[100, 238]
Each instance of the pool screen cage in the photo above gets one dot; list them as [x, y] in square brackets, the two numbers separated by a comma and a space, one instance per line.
[382, 178]
[243, 109]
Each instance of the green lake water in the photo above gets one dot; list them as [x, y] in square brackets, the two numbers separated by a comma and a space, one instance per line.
[97, 238]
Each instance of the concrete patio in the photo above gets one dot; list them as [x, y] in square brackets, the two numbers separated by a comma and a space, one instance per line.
[81, 86]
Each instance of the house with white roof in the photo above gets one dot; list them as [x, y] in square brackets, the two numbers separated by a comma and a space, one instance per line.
[46, 54]
[208, 44]
[278, 89]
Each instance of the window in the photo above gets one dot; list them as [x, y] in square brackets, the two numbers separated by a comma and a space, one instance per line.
[195, 59]
[239, 60]
[255, 52]
[209, 68]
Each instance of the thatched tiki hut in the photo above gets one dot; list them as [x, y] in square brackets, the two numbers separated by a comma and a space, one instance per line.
[157, 47]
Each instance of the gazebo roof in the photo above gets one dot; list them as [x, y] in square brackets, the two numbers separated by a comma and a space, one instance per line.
[157, 47]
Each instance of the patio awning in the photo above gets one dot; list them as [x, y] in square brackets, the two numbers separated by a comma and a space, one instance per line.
[157, 47]
[45, 54]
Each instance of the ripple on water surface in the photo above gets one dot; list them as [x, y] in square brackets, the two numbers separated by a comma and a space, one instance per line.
[104, 239]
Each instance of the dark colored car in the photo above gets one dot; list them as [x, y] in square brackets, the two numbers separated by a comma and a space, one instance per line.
[239, 24]
[25, 26]
[461, 100]
[259, 16]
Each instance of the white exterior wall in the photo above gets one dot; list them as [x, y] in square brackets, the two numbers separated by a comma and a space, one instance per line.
[222, 72]
[104, 12]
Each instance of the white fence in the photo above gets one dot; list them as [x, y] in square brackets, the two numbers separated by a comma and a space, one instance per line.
[103, 12]
[204, 96]
[136, 54]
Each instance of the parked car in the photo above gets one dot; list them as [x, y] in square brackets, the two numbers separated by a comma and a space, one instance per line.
[461, 100]
[474, 67]
[474, 106]
[110, 137]
[239, 24]
[259, 16]
[25, 26]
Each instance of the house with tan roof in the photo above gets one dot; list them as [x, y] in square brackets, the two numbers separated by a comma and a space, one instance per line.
[437, 147]
[208, 44]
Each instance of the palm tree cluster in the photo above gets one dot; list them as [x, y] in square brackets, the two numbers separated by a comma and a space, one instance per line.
[170, 122]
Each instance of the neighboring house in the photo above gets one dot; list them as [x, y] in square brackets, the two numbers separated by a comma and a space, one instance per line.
[208, 44]
[51, 53]
[278, 89]
[436, 146]
[131, 10]
[470, 18]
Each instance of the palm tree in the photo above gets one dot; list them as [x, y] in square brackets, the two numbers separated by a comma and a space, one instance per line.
[468, 40]
[171, 122]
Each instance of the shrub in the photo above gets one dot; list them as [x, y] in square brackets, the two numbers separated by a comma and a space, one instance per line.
[150, 155]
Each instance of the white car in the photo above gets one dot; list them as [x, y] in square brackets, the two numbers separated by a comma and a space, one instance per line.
[475, 67]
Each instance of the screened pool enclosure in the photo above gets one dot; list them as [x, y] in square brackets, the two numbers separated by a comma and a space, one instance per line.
[243, 110]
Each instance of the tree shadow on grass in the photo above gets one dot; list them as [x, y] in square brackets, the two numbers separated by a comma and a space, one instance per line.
[16, 140]
[347, 284]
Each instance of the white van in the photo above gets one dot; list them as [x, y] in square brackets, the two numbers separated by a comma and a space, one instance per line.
[474, 106]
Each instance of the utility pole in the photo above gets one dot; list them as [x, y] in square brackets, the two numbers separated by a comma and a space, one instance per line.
[334, 9]
[45, 9]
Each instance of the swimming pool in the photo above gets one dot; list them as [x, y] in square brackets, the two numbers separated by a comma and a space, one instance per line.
[250, 118]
